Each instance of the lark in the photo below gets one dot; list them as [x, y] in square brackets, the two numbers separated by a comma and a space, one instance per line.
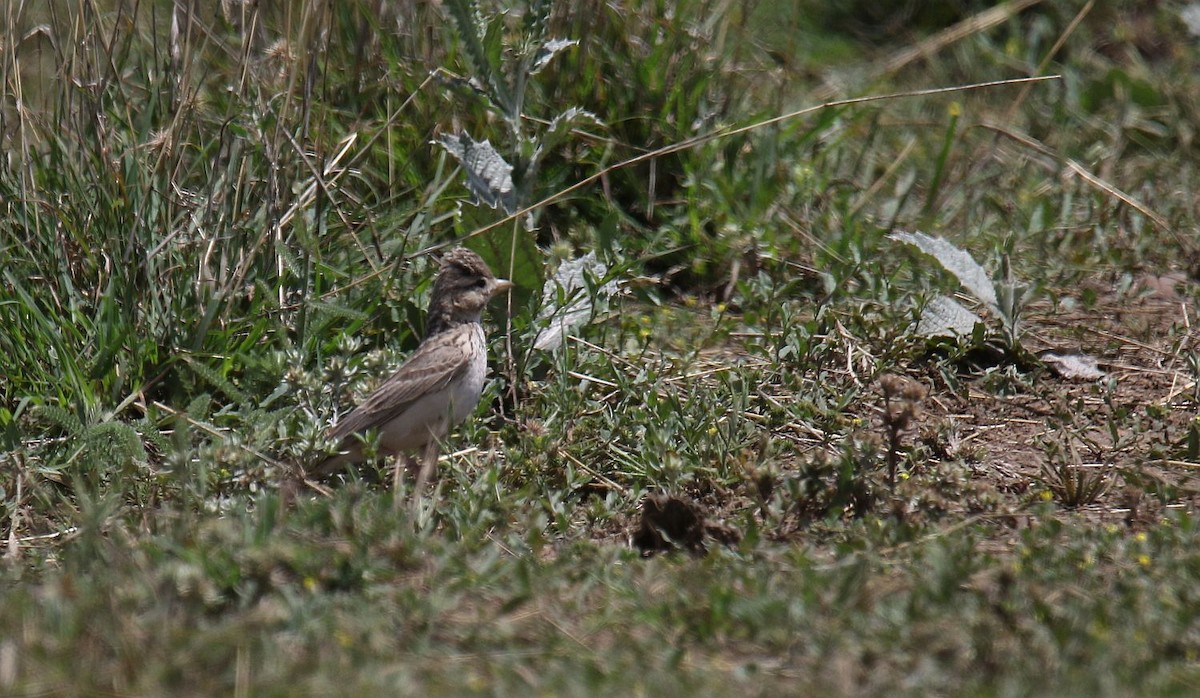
[440, 383]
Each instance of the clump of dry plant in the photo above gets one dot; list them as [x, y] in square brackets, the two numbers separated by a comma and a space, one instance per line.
[901, 405]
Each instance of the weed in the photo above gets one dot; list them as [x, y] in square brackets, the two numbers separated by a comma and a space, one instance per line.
[901, 407]
[504, 60]
[1069, 480]
[836, 486]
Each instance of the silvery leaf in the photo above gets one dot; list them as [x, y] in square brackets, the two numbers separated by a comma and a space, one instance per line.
[1190, 14]
[570, 282]
[946, 317]
[547, 52]
[956, 261]
[489, 176]
[1073, 366]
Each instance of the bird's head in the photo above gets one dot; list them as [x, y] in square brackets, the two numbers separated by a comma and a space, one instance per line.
[462, 289]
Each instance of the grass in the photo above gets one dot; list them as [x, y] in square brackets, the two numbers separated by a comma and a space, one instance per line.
[215, 236]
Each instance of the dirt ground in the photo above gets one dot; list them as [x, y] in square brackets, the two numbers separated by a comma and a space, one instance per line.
[1114, 447]
[1129, 425]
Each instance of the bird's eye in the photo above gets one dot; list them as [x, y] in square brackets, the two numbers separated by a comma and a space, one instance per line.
[479, 283]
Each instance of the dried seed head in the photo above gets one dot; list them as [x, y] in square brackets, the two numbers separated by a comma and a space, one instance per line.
[161, 141]
[913, 391]
[281, 50]
[901, 400]
[891, 385]
[235, 10]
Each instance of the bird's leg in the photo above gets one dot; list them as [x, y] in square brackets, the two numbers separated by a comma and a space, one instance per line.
[438, 431]
[403, 463]
[428, 466]
[428, 472]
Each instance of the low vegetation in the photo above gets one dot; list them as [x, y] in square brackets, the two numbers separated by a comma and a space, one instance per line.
[895, 394]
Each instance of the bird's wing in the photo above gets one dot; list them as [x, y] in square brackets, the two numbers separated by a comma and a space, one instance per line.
[431, 368]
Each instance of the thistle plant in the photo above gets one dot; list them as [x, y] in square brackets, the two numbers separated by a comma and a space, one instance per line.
[901, 405]
[1005, 300]
[502, 65]
[504, 58]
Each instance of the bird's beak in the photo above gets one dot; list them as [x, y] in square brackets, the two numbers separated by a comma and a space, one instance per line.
[501, 286]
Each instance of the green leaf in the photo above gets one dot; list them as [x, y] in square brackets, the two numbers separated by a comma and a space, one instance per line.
[471, 31]
[560, 127]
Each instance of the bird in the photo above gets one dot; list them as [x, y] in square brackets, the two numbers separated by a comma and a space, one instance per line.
[440, 383]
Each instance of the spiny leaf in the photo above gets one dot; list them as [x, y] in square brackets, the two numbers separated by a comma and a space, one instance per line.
[471, 87]
[199, 406]
[537, 18]
[1073, 366]
[547, 52]
[293, 264]
[471, 30]
[489, 176]
[150, 434]
[560, 127]
[565, 122]
[336, 310]
[60, 417]
[115, 440]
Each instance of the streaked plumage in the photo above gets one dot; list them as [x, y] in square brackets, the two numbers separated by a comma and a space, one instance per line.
[438, 386]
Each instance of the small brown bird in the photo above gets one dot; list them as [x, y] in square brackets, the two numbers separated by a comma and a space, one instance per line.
[440, 383]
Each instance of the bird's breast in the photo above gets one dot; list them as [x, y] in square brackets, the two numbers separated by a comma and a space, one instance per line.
[465, 393]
